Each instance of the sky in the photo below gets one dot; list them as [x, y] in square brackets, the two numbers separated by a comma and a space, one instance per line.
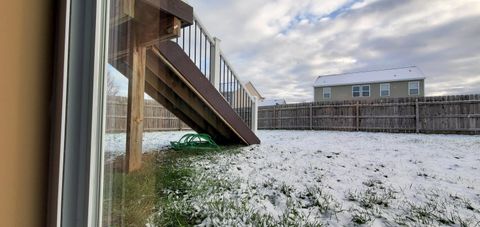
[283, 45]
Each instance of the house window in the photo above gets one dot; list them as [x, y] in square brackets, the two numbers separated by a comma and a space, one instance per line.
[384, 90]
[356, 91]
[327, 93]
[414, 88]
[361, 91]
[366, 90]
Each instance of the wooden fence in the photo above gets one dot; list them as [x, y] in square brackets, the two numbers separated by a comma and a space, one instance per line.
[156, 117]
[443, 114]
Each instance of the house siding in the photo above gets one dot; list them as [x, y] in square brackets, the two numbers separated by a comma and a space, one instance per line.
[344, 92]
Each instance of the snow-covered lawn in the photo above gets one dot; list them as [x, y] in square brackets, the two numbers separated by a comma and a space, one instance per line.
[339, 178]
[388, 178]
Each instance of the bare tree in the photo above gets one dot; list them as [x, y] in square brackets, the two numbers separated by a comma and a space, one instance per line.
[112, 89]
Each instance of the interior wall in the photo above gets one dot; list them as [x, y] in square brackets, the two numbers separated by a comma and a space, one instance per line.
[26, 41]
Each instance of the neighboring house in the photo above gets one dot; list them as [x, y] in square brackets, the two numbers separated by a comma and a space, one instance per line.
[233, 93]
[272, 102]
[253, 91]
[398, 82]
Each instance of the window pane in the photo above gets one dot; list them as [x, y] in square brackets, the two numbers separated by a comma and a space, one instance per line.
[414, 88]
[413, 85]
[327, 93]
[384, 89]
[366, 91]
[130, 179]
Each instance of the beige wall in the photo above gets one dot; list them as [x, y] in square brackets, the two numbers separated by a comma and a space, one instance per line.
[26, 73]
[344, 92]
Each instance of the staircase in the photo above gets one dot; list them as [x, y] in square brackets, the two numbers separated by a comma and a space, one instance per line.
[167, 53]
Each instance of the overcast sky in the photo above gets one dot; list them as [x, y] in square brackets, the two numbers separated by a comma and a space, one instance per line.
[283, 45]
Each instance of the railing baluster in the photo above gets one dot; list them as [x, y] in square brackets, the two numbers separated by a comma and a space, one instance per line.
[183, 38]
[189, 41]
[200, 47]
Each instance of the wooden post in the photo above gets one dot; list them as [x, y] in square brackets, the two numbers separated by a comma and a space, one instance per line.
[255, 115]
[311, 116]
[417, 117]
[357, 112]
[215, 63]
[135, 115]
[274, 119]
[179, 125]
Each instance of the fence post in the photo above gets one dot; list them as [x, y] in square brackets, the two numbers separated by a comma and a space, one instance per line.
[255, 115]
[215, 63]
[311, 116]
[357, 112]
[274, 119]
[417, 117]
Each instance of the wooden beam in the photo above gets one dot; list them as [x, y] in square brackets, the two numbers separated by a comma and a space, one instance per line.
[154, 25]
[175, 8]
[195, 125]
[136, 89]
[172, 55]
[183, 112]
[187, 102]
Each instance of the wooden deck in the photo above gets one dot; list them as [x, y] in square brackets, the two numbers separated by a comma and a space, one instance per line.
[140, 49]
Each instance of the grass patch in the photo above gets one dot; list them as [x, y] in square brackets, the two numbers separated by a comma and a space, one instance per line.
[132, 199]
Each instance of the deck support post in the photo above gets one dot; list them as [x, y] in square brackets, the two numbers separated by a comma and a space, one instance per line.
[215, 63]
[255, 115]
[135, 115]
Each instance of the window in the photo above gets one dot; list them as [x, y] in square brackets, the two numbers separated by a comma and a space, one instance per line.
[366, 90]
[356, 91]
[414, 88]
[384, 90]
[361, 91]
[327, 93]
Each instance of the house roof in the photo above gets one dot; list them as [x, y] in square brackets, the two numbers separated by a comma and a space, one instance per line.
[253, 91]
[271, 102]
[376, 76]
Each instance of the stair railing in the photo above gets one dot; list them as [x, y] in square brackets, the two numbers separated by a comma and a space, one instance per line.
[205, 52]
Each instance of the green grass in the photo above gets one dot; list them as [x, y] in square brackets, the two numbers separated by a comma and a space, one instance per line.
[165, 178]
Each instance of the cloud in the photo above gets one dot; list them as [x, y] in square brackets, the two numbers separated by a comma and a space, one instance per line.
[283, 45]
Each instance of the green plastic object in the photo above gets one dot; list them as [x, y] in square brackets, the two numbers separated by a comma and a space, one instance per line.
[194, 141]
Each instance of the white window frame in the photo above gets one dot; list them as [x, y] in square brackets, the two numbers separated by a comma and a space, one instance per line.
[385, 84]
[329, 89]
[361, 90]
[369, 90]
[410, 84]
[75, 190]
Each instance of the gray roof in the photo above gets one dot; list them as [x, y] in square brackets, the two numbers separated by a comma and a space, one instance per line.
[376, 76]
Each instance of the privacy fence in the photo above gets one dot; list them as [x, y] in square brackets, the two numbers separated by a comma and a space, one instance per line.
[156, 117]
[443, 114]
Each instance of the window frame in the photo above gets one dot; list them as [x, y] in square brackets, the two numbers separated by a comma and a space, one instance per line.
[361, 90]
[389, 89]
[329, 93]
[76, 167]
[410, 84]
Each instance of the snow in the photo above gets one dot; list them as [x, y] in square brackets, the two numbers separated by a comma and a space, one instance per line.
[334, 178]
[271, 102]
[115, 143]
[378, 76]
[412, 166]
